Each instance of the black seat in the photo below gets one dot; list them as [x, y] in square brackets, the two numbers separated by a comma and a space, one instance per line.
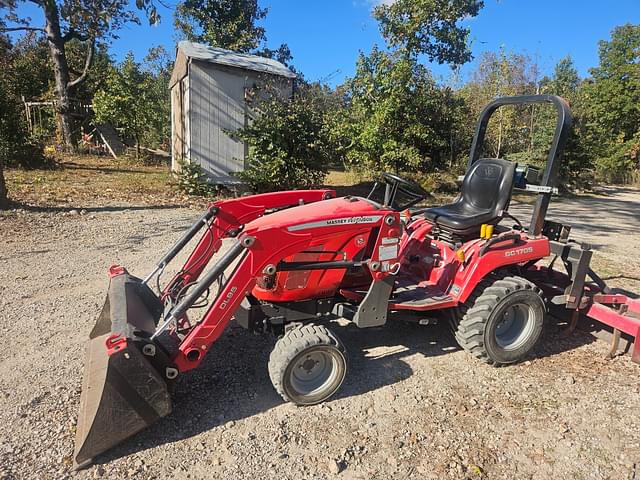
[484, 197]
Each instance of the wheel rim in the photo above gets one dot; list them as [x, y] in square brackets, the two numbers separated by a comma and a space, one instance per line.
[515, 327]
[315, 373]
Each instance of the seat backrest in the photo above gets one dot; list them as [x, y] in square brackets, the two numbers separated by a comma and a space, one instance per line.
[488, 184]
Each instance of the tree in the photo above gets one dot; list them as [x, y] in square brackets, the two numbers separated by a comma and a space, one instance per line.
[612, 102]
[157, 67]
[428, 27]
[14, 144]
[28, 61]
[396, 119]
[136, 100]
[566, 83]
[88, 21]
[289, 145]
[229, 24]
[503, 74]
[8, 125]
[616, 81]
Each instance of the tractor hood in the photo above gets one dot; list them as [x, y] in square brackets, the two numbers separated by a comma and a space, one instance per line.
[327, 213]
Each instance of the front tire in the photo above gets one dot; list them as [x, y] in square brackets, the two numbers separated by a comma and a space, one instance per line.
[503, 320]
[307, 365]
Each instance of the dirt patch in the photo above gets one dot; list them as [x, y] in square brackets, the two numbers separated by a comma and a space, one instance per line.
[93, 181]
[413, 405]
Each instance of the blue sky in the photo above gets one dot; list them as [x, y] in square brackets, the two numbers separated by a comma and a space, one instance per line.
[325, 36]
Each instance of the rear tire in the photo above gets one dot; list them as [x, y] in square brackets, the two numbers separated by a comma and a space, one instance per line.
[307, 365]
[503, 320]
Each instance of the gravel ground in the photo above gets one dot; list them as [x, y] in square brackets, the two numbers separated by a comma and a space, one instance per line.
[413, 405]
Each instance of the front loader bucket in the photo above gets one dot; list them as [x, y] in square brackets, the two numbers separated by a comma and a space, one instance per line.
[123, 390]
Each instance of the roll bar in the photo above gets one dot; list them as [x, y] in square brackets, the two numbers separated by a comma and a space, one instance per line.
[550, 175]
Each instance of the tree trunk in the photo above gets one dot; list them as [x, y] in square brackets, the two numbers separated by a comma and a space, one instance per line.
[60, 70]
[4, 199]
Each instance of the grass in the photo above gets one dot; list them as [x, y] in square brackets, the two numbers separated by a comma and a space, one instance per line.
[82, 180]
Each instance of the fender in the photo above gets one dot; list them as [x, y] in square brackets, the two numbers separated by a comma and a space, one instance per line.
[500, 254]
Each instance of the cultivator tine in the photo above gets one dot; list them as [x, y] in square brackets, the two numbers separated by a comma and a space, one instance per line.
[615, 344]
[573, 323]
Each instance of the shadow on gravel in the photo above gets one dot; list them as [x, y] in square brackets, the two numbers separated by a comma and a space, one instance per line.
[376, 354]
[107, 208]
[233, 382]
[556, 339]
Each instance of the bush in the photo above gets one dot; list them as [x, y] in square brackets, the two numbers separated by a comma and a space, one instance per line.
[193, 181]
[288, 144]
[438, 182]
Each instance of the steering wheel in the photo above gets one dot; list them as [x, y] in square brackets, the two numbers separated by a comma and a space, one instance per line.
[409, 188]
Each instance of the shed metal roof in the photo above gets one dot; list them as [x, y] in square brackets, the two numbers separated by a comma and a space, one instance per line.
[234, 59]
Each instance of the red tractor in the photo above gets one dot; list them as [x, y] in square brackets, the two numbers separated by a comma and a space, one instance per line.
[296, 260]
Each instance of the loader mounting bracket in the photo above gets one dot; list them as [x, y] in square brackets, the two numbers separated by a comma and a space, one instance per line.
[372, 311]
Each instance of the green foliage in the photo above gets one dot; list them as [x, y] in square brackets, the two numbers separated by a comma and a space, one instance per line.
[84, 19]
[157, 67]
[229, 24]
[136, 100]
[289, 146]
[100, 67]
[503, 74]
[613, 96]
[16, 148]
[566, 83]
[616, 82]
[193, 181]
[397, 118]
[31, 75]
[428, 27]
[92, 22]
[621, 161]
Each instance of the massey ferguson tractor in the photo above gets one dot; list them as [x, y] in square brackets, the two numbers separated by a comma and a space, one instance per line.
[294, 261]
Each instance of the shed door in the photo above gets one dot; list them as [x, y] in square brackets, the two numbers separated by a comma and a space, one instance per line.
[179, 122]
[217, 111]
[177, 109]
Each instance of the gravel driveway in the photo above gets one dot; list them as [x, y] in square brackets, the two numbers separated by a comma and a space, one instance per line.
[413, 405]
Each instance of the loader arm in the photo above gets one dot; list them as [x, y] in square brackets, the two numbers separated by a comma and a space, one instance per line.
[142, 342]
[127, 376]
[257, 251]
[226, 220]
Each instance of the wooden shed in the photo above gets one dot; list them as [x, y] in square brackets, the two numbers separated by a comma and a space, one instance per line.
[212, 90]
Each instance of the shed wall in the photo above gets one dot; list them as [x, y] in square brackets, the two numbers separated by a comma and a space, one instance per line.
[217, 108]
